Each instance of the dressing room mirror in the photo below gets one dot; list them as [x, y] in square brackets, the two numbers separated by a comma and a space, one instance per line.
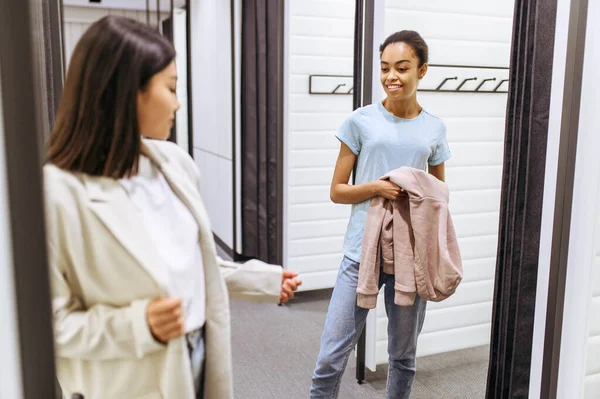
[466, 86]
[328, 64]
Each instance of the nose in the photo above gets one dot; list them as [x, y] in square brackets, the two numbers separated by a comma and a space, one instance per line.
[392, 77]
[177, 104]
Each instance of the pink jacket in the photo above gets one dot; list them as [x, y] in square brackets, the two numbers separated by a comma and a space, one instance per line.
[414, 238]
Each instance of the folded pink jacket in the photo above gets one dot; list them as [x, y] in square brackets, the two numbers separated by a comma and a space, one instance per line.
[414, 238]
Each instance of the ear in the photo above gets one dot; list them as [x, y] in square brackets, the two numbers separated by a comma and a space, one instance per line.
[423, 71]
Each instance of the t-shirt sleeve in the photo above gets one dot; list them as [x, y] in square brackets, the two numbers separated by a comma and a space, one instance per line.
[441, 152]
[349, 134]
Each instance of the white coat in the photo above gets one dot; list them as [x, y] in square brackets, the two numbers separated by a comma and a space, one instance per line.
[104, 271]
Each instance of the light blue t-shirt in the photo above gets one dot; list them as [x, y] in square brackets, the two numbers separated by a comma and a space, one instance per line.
[384, 142]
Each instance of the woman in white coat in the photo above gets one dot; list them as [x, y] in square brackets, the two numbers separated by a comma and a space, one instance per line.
[140, 297]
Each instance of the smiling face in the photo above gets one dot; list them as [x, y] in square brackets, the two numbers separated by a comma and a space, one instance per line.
[400, 71]
[157, 103]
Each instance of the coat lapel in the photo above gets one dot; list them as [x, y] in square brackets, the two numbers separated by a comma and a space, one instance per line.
[109, 201]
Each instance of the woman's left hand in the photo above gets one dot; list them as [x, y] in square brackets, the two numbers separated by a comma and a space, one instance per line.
[289, 284]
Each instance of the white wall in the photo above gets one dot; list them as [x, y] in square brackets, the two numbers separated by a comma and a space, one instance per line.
[592, 373]
[579, 367]
[180, 43]
[319, 41]
[10, 364]
[591, 99]
[77, 19]
[212, 110]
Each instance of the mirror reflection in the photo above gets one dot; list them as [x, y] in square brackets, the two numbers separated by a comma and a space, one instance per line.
[463, 88]
[383, 213]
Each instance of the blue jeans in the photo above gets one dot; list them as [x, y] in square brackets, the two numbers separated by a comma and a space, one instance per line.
[344, 322]
[195, 344]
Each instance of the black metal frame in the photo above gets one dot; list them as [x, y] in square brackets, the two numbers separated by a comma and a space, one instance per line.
[23, 122]
[148, 12]
[157, 14]
[364, 21]
[188, 34]
[234, 142]
[280, 132]
[57, 48]
[171, 13]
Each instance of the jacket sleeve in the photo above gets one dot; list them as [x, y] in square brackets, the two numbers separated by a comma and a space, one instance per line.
[250, 281]
[98, 332]
[253, 281]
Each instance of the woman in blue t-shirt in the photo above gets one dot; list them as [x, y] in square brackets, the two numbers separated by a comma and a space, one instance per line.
[379, 138]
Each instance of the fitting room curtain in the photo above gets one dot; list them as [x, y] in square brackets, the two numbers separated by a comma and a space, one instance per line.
[521, 201]
[262, 129]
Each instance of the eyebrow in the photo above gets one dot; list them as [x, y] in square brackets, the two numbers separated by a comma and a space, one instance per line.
[397, 62]
[174, 78]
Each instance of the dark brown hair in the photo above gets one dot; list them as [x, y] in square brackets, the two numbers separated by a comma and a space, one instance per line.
[96, 130]
[413, 39]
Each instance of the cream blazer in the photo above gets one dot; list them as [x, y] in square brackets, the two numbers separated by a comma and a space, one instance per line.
[104, 271]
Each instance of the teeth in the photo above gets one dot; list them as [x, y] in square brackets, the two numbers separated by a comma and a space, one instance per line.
[393, 86]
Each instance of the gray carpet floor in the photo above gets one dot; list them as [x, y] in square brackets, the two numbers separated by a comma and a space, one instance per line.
[275, 349]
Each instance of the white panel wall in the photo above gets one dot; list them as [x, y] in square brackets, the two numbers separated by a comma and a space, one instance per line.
[180, 42]
[212, 110]
[588, 126]
[78, 19]
[463, 32]
[10, 362]
[319, 41]
[592, 377]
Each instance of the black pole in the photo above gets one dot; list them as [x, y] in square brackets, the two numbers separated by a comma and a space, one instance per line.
[172, 17]
[362, 95]
[158, 15]
[148, 12]
[57, 49]
[356, 103]
[358, 54]
[188, 41]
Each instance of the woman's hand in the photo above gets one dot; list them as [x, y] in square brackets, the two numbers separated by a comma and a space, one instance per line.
[387, 189]
[289, 284]
[165, 318]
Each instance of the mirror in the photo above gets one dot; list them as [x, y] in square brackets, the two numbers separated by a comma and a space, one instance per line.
[465, 86]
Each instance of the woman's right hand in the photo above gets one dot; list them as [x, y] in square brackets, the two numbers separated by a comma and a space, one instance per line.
[387, 189]
[165, 318]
